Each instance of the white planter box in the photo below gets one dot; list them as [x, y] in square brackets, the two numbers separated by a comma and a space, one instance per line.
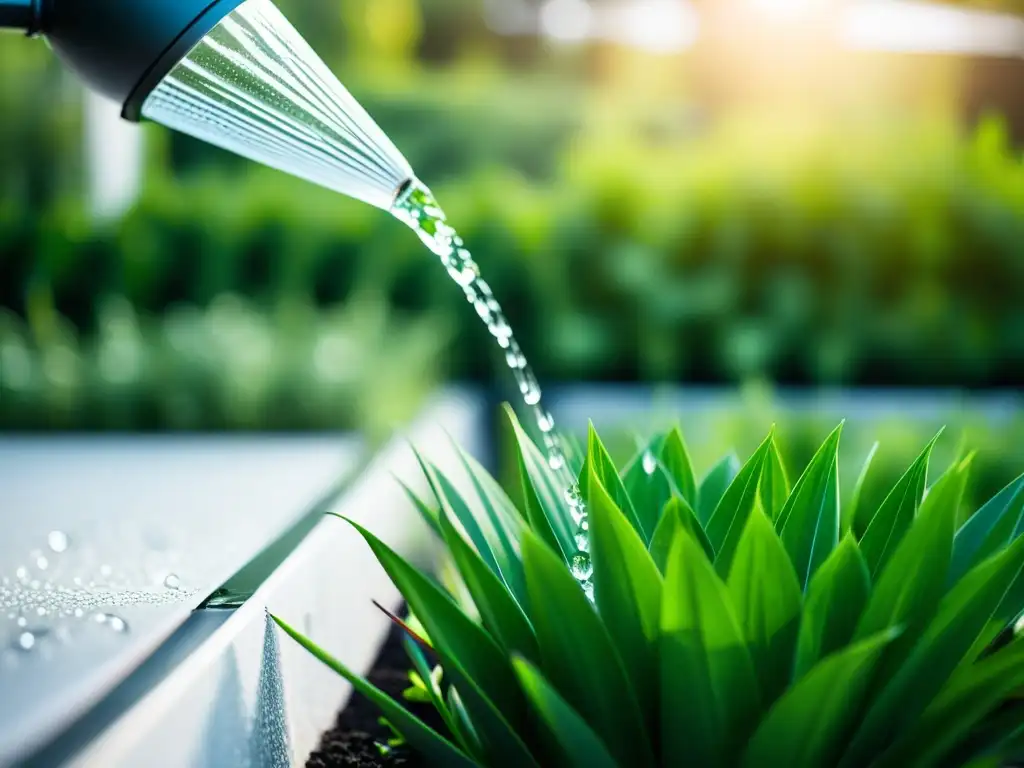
[225, 690]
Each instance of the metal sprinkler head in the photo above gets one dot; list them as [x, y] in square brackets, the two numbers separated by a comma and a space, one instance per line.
[233, 73]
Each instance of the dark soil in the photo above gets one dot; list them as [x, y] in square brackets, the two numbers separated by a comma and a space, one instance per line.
[352, 742]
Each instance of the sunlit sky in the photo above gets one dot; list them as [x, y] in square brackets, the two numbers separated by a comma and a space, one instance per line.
[674, 25]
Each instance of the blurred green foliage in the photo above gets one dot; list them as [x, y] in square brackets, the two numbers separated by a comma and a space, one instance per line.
[890, 260]
[631, 232]
[229, 367]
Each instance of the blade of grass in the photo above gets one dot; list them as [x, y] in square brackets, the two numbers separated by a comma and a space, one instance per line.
[971, 695]
[730, 516]
[579, 656]
[998, 522]
[835, 600]
[600, 463]
[490, 527]
[676, 516]
[675, 458]
[767, 597]
[914, 579]
[809, 520]
[580, 747]
[713, 486]
[429, 515]
[454, 636]
[775, 488]
[420, 736]
[648, 487]
[806, 726]
[546, 489]
[961, 617]
[709, 690]
[627, 586]
[501, 614]
[851, 512]
[896, 514]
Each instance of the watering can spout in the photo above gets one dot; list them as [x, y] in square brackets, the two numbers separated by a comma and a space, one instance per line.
[234, 73]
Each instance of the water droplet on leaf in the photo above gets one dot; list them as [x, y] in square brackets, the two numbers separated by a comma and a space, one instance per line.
[650, 463]
[582, 566]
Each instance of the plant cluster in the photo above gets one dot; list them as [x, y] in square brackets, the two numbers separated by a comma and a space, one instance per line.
[738, 620]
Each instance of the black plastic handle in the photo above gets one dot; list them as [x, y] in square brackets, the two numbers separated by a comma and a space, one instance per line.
[20, 14]
[120, 48]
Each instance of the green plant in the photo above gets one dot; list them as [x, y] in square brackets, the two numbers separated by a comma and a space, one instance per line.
[741, 620]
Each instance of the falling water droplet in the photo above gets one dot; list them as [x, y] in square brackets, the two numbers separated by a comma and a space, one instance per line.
[582, 566]
[42, 563]
[172, 581]
[22, 573]
[650, 463]
[58, 541]
[106, 570]
[22, 622]
[26, 641]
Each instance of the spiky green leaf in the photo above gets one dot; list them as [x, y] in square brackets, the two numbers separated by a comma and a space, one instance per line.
[850, 513]
[767, 597]
[494, 534]
[434, 693]
[896, 513]
[973, 693]
[580, 657]
[453, 634]
[775, 488]
[996, 524]
[628, 587]
[547, 490]
[709, 690]
[600, 463]
[835, 600]
[649, 488]
[677, 515]
[713, 486]
[425, 511]
[729, 519]
[676, 459]
[579, 746]
[501, 613]
[913, 581]
[809, 521]
[805, 728]
[961, 617]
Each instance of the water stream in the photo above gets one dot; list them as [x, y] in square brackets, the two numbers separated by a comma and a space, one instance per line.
[417, 208]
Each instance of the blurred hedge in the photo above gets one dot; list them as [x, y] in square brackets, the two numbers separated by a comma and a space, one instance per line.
[882, 257]
[232, 366]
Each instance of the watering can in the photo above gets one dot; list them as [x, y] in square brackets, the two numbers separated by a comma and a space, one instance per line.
[233, 73]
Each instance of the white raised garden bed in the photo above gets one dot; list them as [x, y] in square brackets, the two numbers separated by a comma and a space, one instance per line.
[213, 686]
